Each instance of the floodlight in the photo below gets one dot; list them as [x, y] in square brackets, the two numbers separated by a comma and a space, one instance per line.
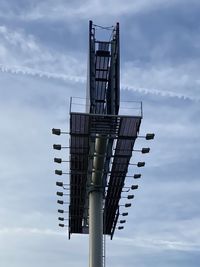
[59, 194]
[133, 187]
[56, 131]
[60, 218]
[57, 160]
[127, 205]
[120, 227]
[57, 147]
[58, 172]
[59, 184]
[140, 164]
[60, 211]
[122, 221]
[124, 214]
[137, 176]
[145, 150]
[150, 136]
[60, 202]
[61, 225]
[130, 196]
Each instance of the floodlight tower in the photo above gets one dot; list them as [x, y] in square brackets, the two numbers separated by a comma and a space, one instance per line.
[102, 98]
[101, 146]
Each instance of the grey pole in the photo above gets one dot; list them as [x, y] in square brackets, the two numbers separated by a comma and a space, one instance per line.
[95, 205]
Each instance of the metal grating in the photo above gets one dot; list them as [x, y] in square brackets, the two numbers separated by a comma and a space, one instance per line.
[83, 129]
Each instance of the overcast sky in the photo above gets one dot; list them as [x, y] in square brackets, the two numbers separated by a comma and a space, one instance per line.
[43, 61]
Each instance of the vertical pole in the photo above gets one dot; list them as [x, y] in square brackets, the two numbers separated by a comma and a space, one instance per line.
[96, 205]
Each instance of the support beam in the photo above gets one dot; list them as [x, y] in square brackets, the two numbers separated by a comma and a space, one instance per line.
[96, 205]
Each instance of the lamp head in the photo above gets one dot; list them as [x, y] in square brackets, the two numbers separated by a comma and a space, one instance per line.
[57, 147]
[59, 184]
[137, 176]
[60, 211]
[56, 131]
[133, 187]
[145, 150]
[57, 160]
[150, 136]
[59, 194]
[140, 164]
[58, 172]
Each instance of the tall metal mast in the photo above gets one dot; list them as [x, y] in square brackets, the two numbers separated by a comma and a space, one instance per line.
[101, 146]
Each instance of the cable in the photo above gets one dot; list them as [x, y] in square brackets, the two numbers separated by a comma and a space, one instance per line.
[109, 28]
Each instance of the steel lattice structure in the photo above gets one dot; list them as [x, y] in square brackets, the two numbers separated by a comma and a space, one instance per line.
[101, 146]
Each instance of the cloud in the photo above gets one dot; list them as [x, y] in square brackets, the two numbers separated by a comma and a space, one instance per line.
[159, 244]
[43, 59]
[41, 74]
[181, 81]
[74, 9]
[21, 52]
[35, 231]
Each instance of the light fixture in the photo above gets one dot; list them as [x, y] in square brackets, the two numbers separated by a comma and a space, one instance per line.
[61, 219]
[130, 196]
[133, 187]
[122, 221]
[60, 211]
[143, 150]
[57, 160]
[60, 184]
[150, 136]
[60, 202]
[130, 188]
[137, 176]
[57, 147]
[127, 205]
[59, 194]
[124, 214]
[61, 225]
[120, 227]
[58, 132]
[58, 172]
[140, 164]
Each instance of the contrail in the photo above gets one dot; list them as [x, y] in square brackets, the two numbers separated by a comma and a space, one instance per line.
[80, 79]
[41, 74]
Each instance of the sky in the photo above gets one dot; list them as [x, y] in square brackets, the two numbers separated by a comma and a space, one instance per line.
[43, 62]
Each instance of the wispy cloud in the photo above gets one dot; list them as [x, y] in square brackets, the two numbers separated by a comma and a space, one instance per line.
[181, 81]
[41, 74]
[160, 244]
[27, 230]
[24, 53]
[72, 10]
[44, 43]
